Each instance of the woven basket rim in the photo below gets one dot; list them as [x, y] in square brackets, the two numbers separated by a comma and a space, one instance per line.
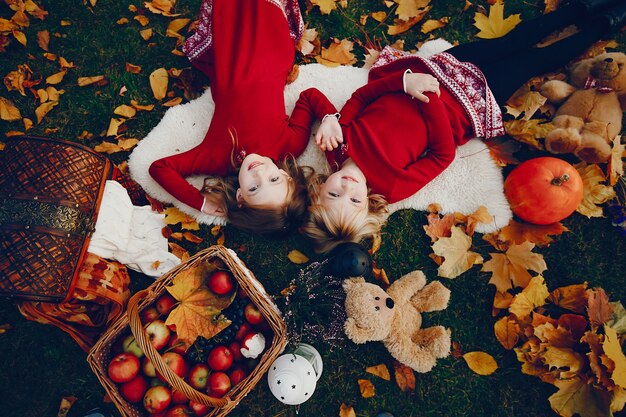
[100, 353]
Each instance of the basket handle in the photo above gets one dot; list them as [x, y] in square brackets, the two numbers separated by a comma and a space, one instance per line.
[151, 353]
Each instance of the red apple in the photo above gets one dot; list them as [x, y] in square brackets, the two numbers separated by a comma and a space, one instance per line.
[238, 374]
[220, 358]
[199, 409]
[198, 375]
[178, 397]
[134, 390]
[252, 345]
[148, 368]
[241, 293]
[219, 384]
[148, 314]
[158, 333]
[157, 399]
[156, 382]
[165, 303]
[129, 344]
[178, 411]
[244, 329]
[221, 282]
[176, 345]
[123, 367]
[235, 350]
[175, 362]
[253, 314]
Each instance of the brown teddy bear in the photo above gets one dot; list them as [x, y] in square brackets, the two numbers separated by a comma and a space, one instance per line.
[394, 318]
[591, 114]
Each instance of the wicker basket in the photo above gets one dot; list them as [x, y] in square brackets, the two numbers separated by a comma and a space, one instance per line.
[100, 354]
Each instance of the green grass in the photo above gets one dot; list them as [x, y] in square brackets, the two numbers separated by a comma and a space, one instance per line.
[40, 364]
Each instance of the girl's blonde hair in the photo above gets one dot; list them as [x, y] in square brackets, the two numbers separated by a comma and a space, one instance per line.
[328, 230]
[271, 221]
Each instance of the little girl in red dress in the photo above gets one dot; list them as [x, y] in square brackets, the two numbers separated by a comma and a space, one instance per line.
[246, 48]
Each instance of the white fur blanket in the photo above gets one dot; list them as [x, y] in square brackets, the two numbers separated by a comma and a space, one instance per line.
[473, 179]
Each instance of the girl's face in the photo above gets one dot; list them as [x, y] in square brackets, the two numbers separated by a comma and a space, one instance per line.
[262, 184]
[345, 192]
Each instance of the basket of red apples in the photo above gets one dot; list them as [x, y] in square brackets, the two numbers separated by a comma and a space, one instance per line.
[193, 343]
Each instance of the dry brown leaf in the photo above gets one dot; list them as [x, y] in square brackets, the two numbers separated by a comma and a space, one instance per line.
[7, 25]
[616, 163]
[297, 257]
[599, 310]
[380, 276]
[97, 80]
[516, 233]
[66, 404]
[480, 362]
[481, 215]
[158, 83]
[192, 238]
[135, 69]
[8, 111]
[433, 24]
[577, 397]
[594, 192]
[147, 107]
[380, 371]
[114, 125]
[34, 10]
[146, 34]
[366, 387]
[565, 360]
[176, 236]
[528, 131]
[507, 332]
[178, 251]
[173, 102]
[502, 300]
[510, 269]
[613, 350]
[163, 7]
[495, 25]
[175, 216]
[439, 226]
[123, 91]
[338, 53]
[56, 78]
[408, 9]
[155, 264]
[28, 124]
[175, 26]
[405, 377]
[377, 240]
[502, 149]
[12, 133]
[52, 93]
[65, 64]
[528, 102]
[309, 42]
[551, 5]
[401, 26]
[215, 230]
[534, 295]
[371, 55]
[49, 56]
[44, 109]
[455, 250]
[121, 145]
[143, 20]
[125, 110]
[346, 411]
[571, 297]
[122, 21]
[43, 39]
[326, 6]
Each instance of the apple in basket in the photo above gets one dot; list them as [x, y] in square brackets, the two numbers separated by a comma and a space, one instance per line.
[199, 409]
[253, 314]
[252, 345]
[148, 368]
[165, 303]
[157, 399]
[129, 344]
[198, 376]
[149, 314]
[238, 374]
[235, 349]
[219, 384]
[176, 363]
[176, 345]
[220, 358]
[134, 390]
[123, 367]
[244, 329]
[179, 397]
[221, 282]
[158, 333]
[178, 411]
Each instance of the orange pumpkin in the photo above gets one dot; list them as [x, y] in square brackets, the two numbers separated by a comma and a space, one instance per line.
[544, 190]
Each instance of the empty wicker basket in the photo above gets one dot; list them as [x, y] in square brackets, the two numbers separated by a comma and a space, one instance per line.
[100, 354]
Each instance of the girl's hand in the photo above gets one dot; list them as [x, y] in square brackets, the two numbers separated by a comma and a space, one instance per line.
[329, 135]
[417, 84]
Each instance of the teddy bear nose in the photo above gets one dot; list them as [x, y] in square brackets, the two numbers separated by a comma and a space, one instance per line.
[389, 303]
[608, 60]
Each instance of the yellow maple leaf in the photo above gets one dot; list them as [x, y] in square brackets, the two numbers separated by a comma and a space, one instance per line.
[174, 216]
[528, 131]
[616, 163]
[366, 387]
[408, 9]
[163, 7]
[495, 25]
[534, 295]
[527, 102]
[380, 371]
[566, 360]
[308, 42]
[326, 6]
[480, 362]
[507, 332]
[594, 192]
[198, 308]
[158, 83]
[297, 257]
[455, 250]
[577, 397]
[439, 226]
[511, 268]
[8, 111]
[338, 53]
[516, 233]
[481, 215]
[613, 350]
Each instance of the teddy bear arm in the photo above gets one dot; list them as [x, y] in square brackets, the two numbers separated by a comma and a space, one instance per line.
[433, 297]
[404, 288]
[419, 358]
[556, 91]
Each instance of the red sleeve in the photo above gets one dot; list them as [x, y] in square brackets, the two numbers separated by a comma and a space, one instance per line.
[170, 173]
[311, 105]
[441, 151]
[368, 93]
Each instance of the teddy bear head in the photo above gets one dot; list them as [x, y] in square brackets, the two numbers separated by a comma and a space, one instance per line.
[370, 311]
[607, 70]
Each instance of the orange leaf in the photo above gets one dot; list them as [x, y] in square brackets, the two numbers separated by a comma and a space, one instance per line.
[146, 34]
[598, 308]
[147, 107]
[480, 362]
[125, 110]
[401, 26]
[192, 238]
[143, 20]
[455, 250]
[531, 297]
[507, 332]
[511, 268]
[98, 80]
[308, 42]
[338, 53]
[175, 216]
[8, 111]
[517, 233]
[173, 102]
[198, 308]
[380, 371]
[178, 251]
[158, 83]
[43, 39]
[346, 411]
[163, 7]
[122, 21]
[44, 109]
[408, 9]
[114, 125]
[381, 276]
[439, 226]
[433, 24]
[135, 69]
[175, 26]
[481, 215]
[405, 377]
[297, 257]
[56, 78]
[502, 149]
[571, 297]
[366, 387]
[326, 6]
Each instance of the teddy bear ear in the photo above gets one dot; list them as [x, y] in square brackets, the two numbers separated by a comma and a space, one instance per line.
[348, 283]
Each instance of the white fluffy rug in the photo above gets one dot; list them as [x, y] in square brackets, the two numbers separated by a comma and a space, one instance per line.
[473, 179]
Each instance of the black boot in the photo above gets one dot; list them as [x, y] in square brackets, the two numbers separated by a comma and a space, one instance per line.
[616, 16]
